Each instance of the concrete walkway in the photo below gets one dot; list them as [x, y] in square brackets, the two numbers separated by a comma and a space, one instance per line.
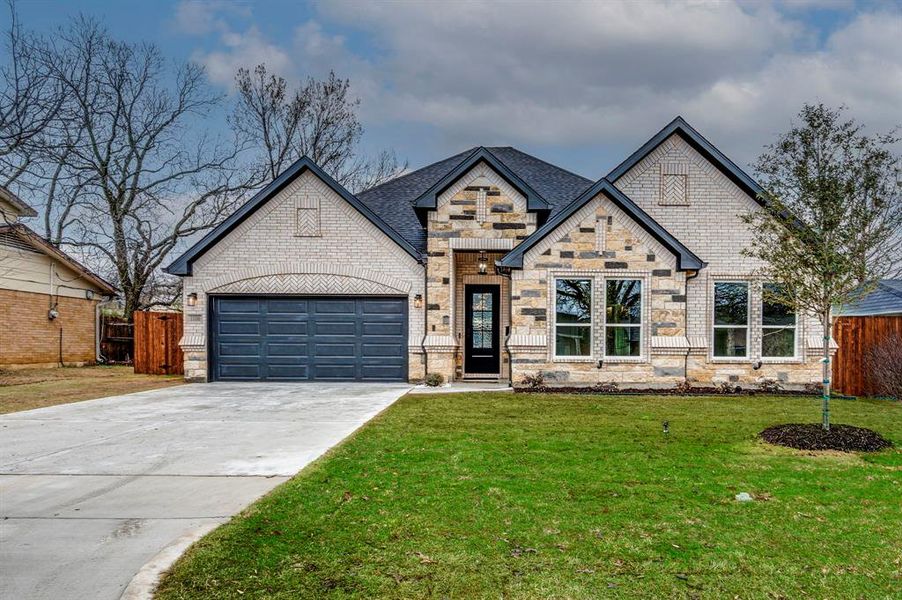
[90, 492]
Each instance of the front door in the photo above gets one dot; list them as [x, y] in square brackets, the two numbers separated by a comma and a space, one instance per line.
[482, 347]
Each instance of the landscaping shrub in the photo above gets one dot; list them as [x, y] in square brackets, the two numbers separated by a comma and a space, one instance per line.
[534, 382]
[884, 365]
[434, 379]
[770, 386]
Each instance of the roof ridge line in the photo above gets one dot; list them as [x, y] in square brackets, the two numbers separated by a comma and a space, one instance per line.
[550, 164]
[415, 171]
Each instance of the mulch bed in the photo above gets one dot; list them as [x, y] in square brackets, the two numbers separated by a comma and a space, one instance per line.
[695, 391]
[811, 436]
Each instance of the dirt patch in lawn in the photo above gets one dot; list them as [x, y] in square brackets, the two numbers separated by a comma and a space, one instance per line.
[26, 389]
[811, 436]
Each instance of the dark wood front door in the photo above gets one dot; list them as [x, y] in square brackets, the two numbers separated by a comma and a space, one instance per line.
[482, 318]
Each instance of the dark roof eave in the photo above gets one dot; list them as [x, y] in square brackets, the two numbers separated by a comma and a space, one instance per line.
[686, 259]
[429, 199]
[182, 265]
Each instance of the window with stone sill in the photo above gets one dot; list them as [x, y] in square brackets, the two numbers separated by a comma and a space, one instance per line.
[573, 318]
[731, 319]
[623, 318]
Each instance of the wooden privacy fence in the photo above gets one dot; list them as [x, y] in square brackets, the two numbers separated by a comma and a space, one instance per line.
[117, 338]
[855, 336]
[157, 336]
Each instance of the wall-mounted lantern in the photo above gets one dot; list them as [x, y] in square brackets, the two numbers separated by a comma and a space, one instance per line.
[418, 301]
[192, 299]
[483, 262]
[89, 294]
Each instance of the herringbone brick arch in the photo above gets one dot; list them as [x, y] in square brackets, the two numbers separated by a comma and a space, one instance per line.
[306, 284]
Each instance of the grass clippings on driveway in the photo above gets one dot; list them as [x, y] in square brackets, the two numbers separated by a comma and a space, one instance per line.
[555, 496]
[25, 389]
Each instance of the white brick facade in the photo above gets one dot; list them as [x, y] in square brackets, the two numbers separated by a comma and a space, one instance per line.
[336, 251]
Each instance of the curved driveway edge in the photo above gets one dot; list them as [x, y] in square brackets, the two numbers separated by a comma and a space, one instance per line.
[93, 491]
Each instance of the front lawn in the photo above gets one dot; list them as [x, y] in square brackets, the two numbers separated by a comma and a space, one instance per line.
[555, 496]
[25, 389]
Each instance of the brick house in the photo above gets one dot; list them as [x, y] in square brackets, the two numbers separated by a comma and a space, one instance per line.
[493, 264]
[48, 300]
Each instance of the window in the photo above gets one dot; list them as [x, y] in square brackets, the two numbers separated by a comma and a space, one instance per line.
[778, 326]
[731, 319]
[623, 317]
[573, 317]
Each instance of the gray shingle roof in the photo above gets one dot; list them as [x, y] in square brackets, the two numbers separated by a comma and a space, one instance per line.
[886, 299]
[393, 200]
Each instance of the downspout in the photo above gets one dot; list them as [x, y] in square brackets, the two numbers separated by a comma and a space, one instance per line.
[425, 314]
[691, 275]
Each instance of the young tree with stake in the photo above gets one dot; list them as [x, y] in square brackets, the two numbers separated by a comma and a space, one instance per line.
[831, 226]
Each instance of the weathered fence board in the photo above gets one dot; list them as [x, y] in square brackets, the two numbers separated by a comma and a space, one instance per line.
[854, 336]
[157, 336]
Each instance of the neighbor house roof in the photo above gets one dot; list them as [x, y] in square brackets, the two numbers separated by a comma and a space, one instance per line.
[886, 299]
[686, 259]
[692, 137]
[42, 245]
[182, 265]
[17, 203]
[395, 200]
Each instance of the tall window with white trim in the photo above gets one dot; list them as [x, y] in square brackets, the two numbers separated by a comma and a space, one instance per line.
[623, 317]
[731, 319]
[778, 326]
[573, 317]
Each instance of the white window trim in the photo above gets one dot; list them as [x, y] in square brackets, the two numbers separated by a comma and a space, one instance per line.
[794, 357]
[613, 358]
[592, 304]
[748, 323]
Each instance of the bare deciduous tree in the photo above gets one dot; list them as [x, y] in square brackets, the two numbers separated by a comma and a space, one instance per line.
[125, 179]
[830, 231]
[29, 100]
[317, 120]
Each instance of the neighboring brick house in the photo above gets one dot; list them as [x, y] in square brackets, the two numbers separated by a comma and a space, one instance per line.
[48, 301]
[493, 264]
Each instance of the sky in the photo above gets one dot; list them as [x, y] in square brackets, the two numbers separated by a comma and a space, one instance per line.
[581, 85]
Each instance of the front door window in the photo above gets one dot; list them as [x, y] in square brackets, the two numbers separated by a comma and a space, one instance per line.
[481, 350]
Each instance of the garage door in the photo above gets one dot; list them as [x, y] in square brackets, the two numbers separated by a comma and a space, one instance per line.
[309, 338]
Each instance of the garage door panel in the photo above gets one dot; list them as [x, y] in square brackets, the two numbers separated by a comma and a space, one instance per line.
[363, 338]
[242, 327]
[286, 306]
[276, 371]
[389, 329]
[281, 327]
[335, 306]
[335, 328]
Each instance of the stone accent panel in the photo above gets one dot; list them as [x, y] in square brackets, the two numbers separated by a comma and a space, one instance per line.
[455, 230]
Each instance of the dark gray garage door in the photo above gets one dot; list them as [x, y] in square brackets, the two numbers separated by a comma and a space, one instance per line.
[309, 338]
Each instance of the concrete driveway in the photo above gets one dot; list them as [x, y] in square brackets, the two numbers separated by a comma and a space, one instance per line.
[90, 492]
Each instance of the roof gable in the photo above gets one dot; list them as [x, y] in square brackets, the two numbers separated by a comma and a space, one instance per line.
[686, 260]
[429, 198]
[17, 206]
[692, 137]
[182, 265]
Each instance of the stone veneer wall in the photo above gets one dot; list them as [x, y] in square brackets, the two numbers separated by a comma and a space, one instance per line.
[305, 240]
[703, 210]
[599, 242]
[466, 271]
[479, 212]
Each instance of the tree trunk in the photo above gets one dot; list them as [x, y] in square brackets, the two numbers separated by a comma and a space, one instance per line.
[825, 320]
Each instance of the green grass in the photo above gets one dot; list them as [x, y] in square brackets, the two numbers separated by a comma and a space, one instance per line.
[556, 496]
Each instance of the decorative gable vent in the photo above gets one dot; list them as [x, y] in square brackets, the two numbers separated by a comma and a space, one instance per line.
[601, 227]
[308, 216]
[674, 184]
[481, 202]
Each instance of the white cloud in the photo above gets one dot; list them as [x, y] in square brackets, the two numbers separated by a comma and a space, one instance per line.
[572, 74]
